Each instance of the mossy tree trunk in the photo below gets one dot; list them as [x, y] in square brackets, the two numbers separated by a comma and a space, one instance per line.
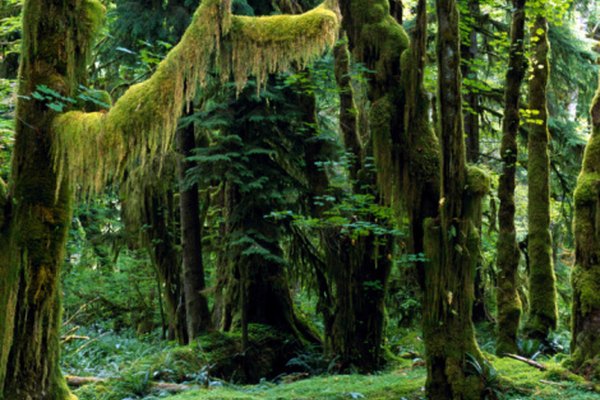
[543, 312]
[256, 288]
[585, 342]
[196, 306]
[56, 38]
[469, 51]
[358, 267]
[509, 303]
[376, 40]
[452, 240]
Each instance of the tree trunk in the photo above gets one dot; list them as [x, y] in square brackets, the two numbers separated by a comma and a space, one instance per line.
[196, 306]
[509, 303]
[585, 342]
[56, 39]
[543, 312]
[160, 241]
[469, 52]
[359, 267]
[452, 241]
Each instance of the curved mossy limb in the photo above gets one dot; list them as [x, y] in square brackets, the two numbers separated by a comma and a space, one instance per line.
[543, 311]
[585, 342]
[507, 296]
[142, 123]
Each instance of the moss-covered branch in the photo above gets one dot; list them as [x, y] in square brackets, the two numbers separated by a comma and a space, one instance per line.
[3, 202]
[92, 148]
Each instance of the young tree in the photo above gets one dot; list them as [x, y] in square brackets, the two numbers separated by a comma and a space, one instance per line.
[509, 303]
[543, 312]
[585, 342]
[55, 151]
[198, 317]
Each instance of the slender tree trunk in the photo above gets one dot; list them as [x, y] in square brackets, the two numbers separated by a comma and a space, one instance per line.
[585, 342]
[56, 38]
[452, 241]
[160, 241]
[196, 306]
[543, 312]
[469, 51]
[509, 303]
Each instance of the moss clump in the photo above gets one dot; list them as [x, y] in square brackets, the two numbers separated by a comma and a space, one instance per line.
[478, 181]
[266, 356]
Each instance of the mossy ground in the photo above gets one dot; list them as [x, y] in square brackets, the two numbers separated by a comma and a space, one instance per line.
[142, 361]
[517, 381]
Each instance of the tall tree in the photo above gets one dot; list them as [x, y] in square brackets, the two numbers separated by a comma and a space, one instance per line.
[377, 40]
[34, 237]
[509, 303]
[585, 342]
[198, 318]
[543, 312]
[452, 240]
[89, 148]
[469, 50]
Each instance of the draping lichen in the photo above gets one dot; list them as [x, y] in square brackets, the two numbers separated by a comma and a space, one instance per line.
[92, 148]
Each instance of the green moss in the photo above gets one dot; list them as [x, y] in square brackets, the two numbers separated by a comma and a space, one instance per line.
[3, 203]
[403, 383]
[141, 124]
[269, 44]
[542, 281]
[587, 282]
[478, 181]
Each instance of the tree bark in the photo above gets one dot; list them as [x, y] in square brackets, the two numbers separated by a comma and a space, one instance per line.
[509, 303]
[359, 267]
[161, 244]
[585, 342]
[469, 51]
[543, 311]
[56, 39]
[196, 306]
[452, 241]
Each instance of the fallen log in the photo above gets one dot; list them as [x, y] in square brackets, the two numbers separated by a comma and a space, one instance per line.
[529, 361]
[78, 381]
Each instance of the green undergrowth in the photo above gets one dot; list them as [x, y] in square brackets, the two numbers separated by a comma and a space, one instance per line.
[397, 384]
[132, 366]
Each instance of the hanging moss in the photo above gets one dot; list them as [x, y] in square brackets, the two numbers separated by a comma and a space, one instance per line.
[585, 343]
[141, 124]
[269, 44]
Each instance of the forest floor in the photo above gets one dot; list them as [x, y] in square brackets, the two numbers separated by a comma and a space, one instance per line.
[129, 368]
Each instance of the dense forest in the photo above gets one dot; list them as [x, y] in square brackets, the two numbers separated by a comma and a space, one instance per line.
[287, 199]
